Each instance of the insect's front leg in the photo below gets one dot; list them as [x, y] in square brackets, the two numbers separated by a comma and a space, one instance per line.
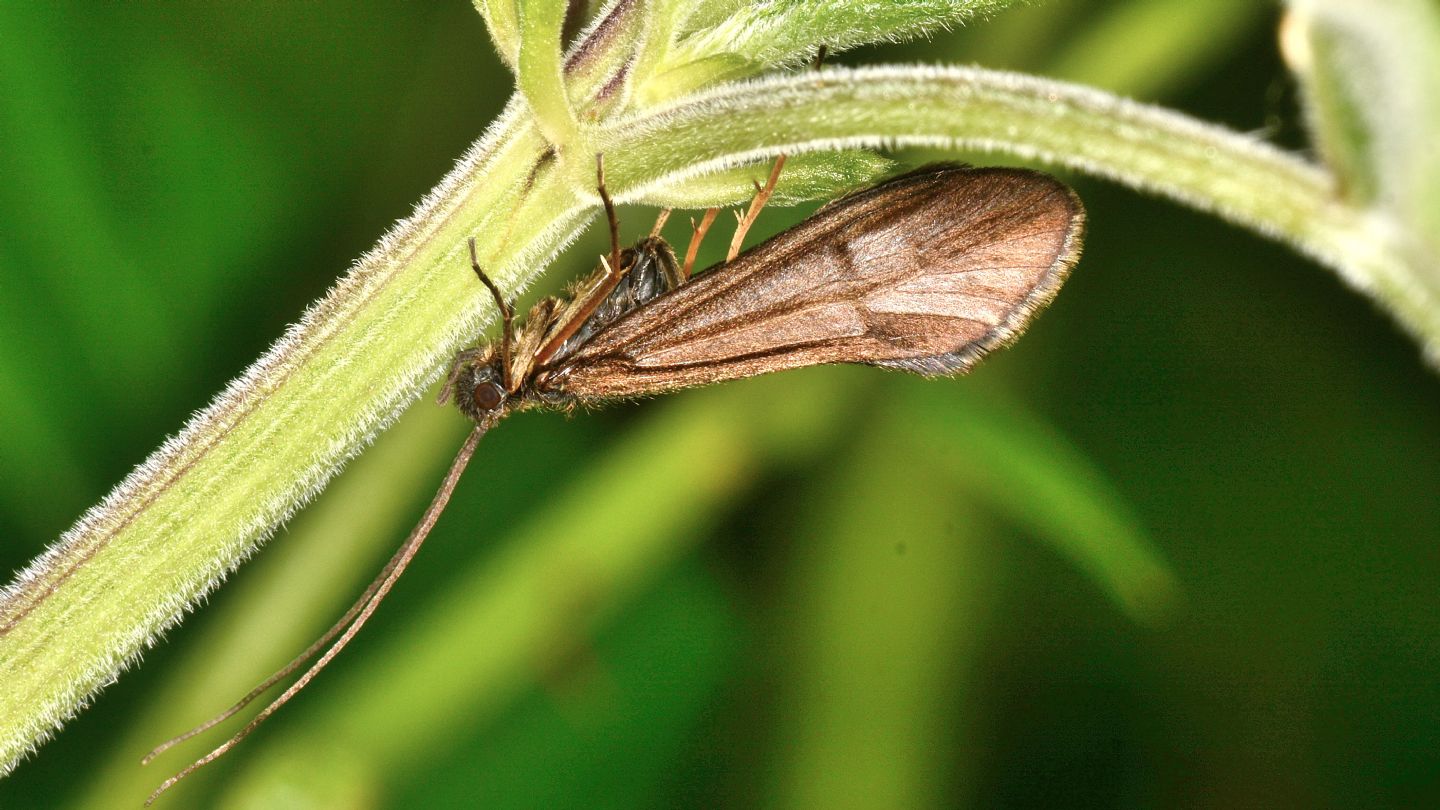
[507, 319]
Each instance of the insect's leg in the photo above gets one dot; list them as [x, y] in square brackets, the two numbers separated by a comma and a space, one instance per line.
[762, 195]
[697, 235]
[609, 213]
[660, 223]
[614, 271]
[507, 315]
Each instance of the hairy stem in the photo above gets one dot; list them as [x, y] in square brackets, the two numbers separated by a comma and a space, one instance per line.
[197, 507]
[1230, 174]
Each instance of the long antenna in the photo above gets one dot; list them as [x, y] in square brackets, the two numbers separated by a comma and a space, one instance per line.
[507, 320]
[345, 629]
[609, 212]
[281, 674]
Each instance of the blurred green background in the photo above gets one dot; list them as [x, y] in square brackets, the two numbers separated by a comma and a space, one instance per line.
[1178, 547]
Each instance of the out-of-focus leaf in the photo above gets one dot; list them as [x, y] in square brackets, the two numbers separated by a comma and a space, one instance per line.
[1036, 479]
[1144, 46]
[891, 581]
[645, 688]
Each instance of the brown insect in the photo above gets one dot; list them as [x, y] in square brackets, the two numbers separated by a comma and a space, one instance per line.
[926, 272]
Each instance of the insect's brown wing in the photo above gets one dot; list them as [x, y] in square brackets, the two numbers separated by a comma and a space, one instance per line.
[926, 272]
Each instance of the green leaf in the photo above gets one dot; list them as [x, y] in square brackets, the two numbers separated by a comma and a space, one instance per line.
[814, 176]
[661, 20]
[702, 14]
[1141, 46]
[1037, 480]
[778, 33]
[1371, 79]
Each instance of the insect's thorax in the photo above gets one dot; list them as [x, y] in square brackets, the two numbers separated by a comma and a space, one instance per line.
[651, 271]
[484, 392]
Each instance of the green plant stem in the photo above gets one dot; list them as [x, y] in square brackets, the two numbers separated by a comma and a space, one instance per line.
[1370, 79]
[503, 22]
[1207, 167]
[206, 499]
[202, 503]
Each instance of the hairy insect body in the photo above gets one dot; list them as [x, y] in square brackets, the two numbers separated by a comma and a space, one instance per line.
[926, 273]
[652, 272]
[481, 392]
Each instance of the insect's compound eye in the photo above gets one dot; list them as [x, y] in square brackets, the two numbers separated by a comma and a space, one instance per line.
[488, 396]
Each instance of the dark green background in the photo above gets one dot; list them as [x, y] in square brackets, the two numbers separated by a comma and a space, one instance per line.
[177, 181]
